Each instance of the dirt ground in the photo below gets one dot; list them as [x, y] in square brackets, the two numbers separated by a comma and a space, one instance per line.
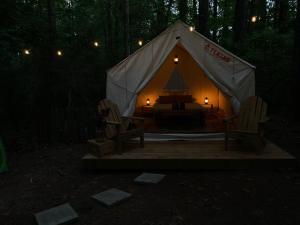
[49, 176]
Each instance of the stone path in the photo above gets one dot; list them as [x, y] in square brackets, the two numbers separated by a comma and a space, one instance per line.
[58, 215]
[111, 197]
[65, 214]
[149, 178]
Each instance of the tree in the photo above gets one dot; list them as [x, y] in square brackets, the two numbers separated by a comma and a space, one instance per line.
[215, 16]
[203, 17]
[296, 80]
[183, 10]
[283, 15]
[281, 8]
[258, 8]
[126, 27]
[226, 21]
[240, 21]
[195, 14]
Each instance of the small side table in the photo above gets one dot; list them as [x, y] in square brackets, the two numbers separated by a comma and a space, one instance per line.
[147, 109]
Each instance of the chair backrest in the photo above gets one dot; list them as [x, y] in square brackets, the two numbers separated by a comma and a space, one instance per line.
[110, 112]
[253, 110]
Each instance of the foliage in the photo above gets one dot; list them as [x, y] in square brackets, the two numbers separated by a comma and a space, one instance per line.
[31, 83]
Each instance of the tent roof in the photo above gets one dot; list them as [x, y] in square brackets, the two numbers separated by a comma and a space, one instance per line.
[231, 74]
[170, 30]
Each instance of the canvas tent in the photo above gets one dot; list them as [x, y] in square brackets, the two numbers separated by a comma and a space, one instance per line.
[207, 69]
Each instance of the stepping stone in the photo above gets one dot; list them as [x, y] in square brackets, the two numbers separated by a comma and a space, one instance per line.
[62, 214]
[149, 178]
[111, 197]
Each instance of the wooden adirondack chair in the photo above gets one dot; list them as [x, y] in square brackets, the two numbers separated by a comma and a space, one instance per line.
[119, 128]
[249, 124]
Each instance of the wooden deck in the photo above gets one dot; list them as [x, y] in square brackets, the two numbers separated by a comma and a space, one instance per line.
[185, 155]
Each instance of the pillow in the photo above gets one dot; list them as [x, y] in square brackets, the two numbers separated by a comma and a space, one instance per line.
[185, 98]
[193, 106]
[162, 106]
[166, 99]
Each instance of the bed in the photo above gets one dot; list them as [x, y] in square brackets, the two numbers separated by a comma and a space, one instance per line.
[177, 105]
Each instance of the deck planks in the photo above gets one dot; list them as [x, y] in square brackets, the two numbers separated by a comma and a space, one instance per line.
[191, 155]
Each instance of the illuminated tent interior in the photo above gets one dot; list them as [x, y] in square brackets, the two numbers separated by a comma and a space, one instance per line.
[189, 79]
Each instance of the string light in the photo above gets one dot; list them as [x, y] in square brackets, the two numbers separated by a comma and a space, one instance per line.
[96, 44]
[192, 28]
[59, 52]
[26, 51]
[253, 19]
[140, 42]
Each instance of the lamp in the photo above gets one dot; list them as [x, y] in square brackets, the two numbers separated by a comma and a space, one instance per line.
[206, 101]
[148, 101]
[191, 28]
[176, 59]
[253, 19]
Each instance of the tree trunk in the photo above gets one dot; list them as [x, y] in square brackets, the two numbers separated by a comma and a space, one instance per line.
[283, 15]
[47, 98]
[110, 50]
[276, 12]
[215, 16]
[126, 28]
[160, 21]
[240, 21]
[183, 10]
[225, 24]
[203, 17]
[51, 27]
[169, 8]
[257, 8]
[296, 78]
[262, 11]
[195, 14]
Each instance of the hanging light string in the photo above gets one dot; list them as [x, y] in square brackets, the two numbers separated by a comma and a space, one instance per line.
[140, 41]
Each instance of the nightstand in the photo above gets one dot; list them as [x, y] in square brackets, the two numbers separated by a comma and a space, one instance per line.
[147, 109]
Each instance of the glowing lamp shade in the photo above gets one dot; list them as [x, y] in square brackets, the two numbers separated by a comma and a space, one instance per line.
[140, 42]
[59, 53]
[26, 51]
[191, 28]
[253, 19]
[206, 101]
[96, 44]
[148, 101]
[176, 59]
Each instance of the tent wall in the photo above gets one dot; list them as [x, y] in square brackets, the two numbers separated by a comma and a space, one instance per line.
[200, 86]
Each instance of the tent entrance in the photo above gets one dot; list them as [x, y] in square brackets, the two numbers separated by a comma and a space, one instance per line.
[181, 97]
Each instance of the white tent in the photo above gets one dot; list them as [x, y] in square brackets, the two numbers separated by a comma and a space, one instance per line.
[234, 77]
